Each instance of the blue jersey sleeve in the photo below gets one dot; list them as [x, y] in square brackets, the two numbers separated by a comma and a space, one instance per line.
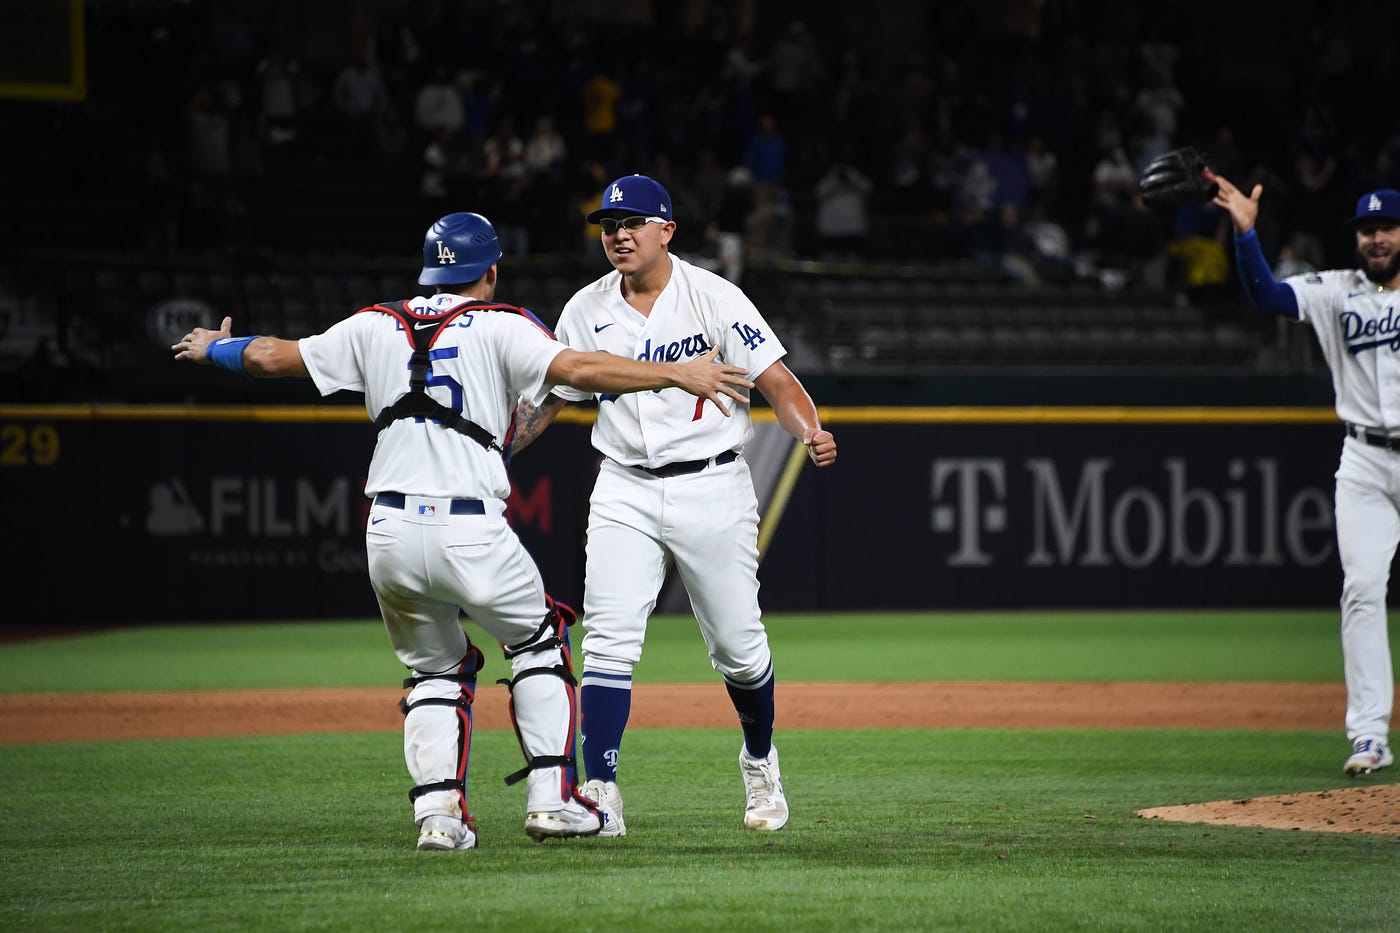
[1265, 292]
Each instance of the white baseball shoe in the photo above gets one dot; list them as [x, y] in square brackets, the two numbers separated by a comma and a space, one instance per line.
[765, 807]
[609, 800]
[444, 833]
[1368, 755]
[573, 820]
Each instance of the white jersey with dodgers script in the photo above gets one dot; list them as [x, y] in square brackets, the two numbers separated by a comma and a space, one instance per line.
[696, 311]
[481, 363]
[1358, 328]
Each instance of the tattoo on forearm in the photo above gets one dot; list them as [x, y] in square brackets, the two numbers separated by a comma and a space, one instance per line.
[529, 422]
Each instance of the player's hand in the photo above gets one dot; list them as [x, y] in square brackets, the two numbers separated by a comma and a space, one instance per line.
[1243, 210]
[821, 447]
[194, 346]
[704, 378]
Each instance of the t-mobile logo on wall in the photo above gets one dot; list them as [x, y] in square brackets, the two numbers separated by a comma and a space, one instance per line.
[1045, 514]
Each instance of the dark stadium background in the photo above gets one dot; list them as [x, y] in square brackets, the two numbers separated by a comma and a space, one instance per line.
[121, 226]
[168, 163]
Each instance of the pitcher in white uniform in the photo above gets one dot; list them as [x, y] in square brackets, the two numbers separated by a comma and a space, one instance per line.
[1356, 316]
[673, 485]
[441, 376]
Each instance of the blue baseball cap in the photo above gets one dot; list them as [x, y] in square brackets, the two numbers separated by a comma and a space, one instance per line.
[1383, 204]
[636, 194]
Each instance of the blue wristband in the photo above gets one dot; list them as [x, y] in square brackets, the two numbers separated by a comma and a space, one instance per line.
[227, 353]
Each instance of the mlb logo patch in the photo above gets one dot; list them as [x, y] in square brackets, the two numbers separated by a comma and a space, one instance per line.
[427, 510]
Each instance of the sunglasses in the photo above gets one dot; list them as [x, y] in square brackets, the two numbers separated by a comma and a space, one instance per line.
[610, 225]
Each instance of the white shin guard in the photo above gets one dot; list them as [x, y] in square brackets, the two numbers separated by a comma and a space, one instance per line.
[542, 704]
[544, 709]
[437, 733]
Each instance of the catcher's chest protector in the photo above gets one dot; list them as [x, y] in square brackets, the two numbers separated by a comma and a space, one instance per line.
[422, 332]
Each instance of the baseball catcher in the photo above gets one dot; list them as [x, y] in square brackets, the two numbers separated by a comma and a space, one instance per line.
[1178, 177]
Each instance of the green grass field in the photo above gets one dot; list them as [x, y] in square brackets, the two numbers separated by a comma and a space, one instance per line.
[904, 830]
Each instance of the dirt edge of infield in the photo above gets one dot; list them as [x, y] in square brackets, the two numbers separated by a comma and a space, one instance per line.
[1360, 808]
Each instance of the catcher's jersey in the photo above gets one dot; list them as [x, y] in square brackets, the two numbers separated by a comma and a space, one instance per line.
[482, 362]
[1358, 329]
[696, 311]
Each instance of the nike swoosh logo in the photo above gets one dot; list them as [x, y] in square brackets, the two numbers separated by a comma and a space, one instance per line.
[599, 328]
[376, 521]
[419, 325]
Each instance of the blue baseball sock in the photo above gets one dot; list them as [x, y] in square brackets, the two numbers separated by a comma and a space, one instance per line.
[755, 708]
[605, 701]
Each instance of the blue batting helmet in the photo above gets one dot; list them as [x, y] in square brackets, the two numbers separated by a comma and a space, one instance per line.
[458, 248]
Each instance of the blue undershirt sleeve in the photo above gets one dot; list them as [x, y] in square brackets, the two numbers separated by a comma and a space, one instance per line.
[1265, 292]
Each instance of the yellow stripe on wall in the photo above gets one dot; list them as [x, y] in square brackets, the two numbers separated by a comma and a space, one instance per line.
[576, 415]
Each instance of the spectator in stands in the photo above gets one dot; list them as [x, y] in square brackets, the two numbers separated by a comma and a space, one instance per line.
[598, 103]
[731, 223]
[765, 154]
[843, 211]
[1300, 255]
[481, 99]
[445, 163]
[1199, 242]
[794, 68]
[279, 78]
[437, 107]
[358, 93]
[546, 149]
[210, 159]
[770, 234]
[1043, 167]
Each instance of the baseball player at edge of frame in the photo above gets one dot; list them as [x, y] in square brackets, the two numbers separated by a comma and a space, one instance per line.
[1352, 311]
[441, 376]
[673, 483]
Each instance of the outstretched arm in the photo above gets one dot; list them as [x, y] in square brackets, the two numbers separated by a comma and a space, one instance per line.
[1265, 292]
[603, 372]
[264, 357]
[797, 413]
[531, 420]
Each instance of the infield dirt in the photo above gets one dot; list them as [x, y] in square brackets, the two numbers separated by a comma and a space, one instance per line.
[1363, 807]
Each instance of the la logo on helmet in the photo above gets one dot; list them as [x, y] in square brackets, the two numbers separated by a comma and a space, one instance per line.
[445, 255]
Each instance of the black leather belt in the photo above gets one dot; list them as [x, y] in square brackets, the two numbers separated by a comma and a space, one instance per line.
[394, 500]
[1374, 438]
[682, 467]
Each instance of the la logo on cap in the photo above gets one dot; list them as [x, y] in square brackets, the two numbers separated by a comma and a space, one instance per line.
[616, 194]
[1374, 204]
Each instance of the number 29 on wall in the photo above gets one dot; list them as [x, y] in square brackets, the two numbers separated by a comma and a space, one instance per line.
[28, 445]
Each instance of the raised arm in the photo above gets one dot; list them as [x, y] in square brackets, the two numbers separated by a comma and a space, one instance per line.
[1265, 292]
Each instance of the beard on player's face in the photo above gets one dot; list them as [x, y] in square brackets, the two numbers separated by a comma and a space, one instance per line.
[1379, 261]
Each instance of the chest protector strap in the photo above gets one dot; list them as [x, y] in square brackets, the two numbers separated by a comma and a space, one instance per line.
[422, 333]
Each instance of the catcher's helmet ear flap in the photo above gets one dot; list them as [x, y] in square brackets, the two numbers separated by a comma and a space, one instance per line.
[458, 248]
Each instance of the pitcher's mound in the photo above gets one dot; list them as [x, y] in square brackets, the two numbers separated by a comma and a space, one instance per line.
[1356, 809]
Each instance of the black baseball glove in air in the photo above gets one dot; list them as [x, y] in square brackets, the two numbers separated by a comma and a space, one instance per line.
[1176, 178]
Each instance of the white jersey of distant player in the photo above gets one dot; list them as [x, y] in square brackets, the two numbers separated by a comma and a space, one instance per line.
[480, 365]
[1358, 329]
[696, 311]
